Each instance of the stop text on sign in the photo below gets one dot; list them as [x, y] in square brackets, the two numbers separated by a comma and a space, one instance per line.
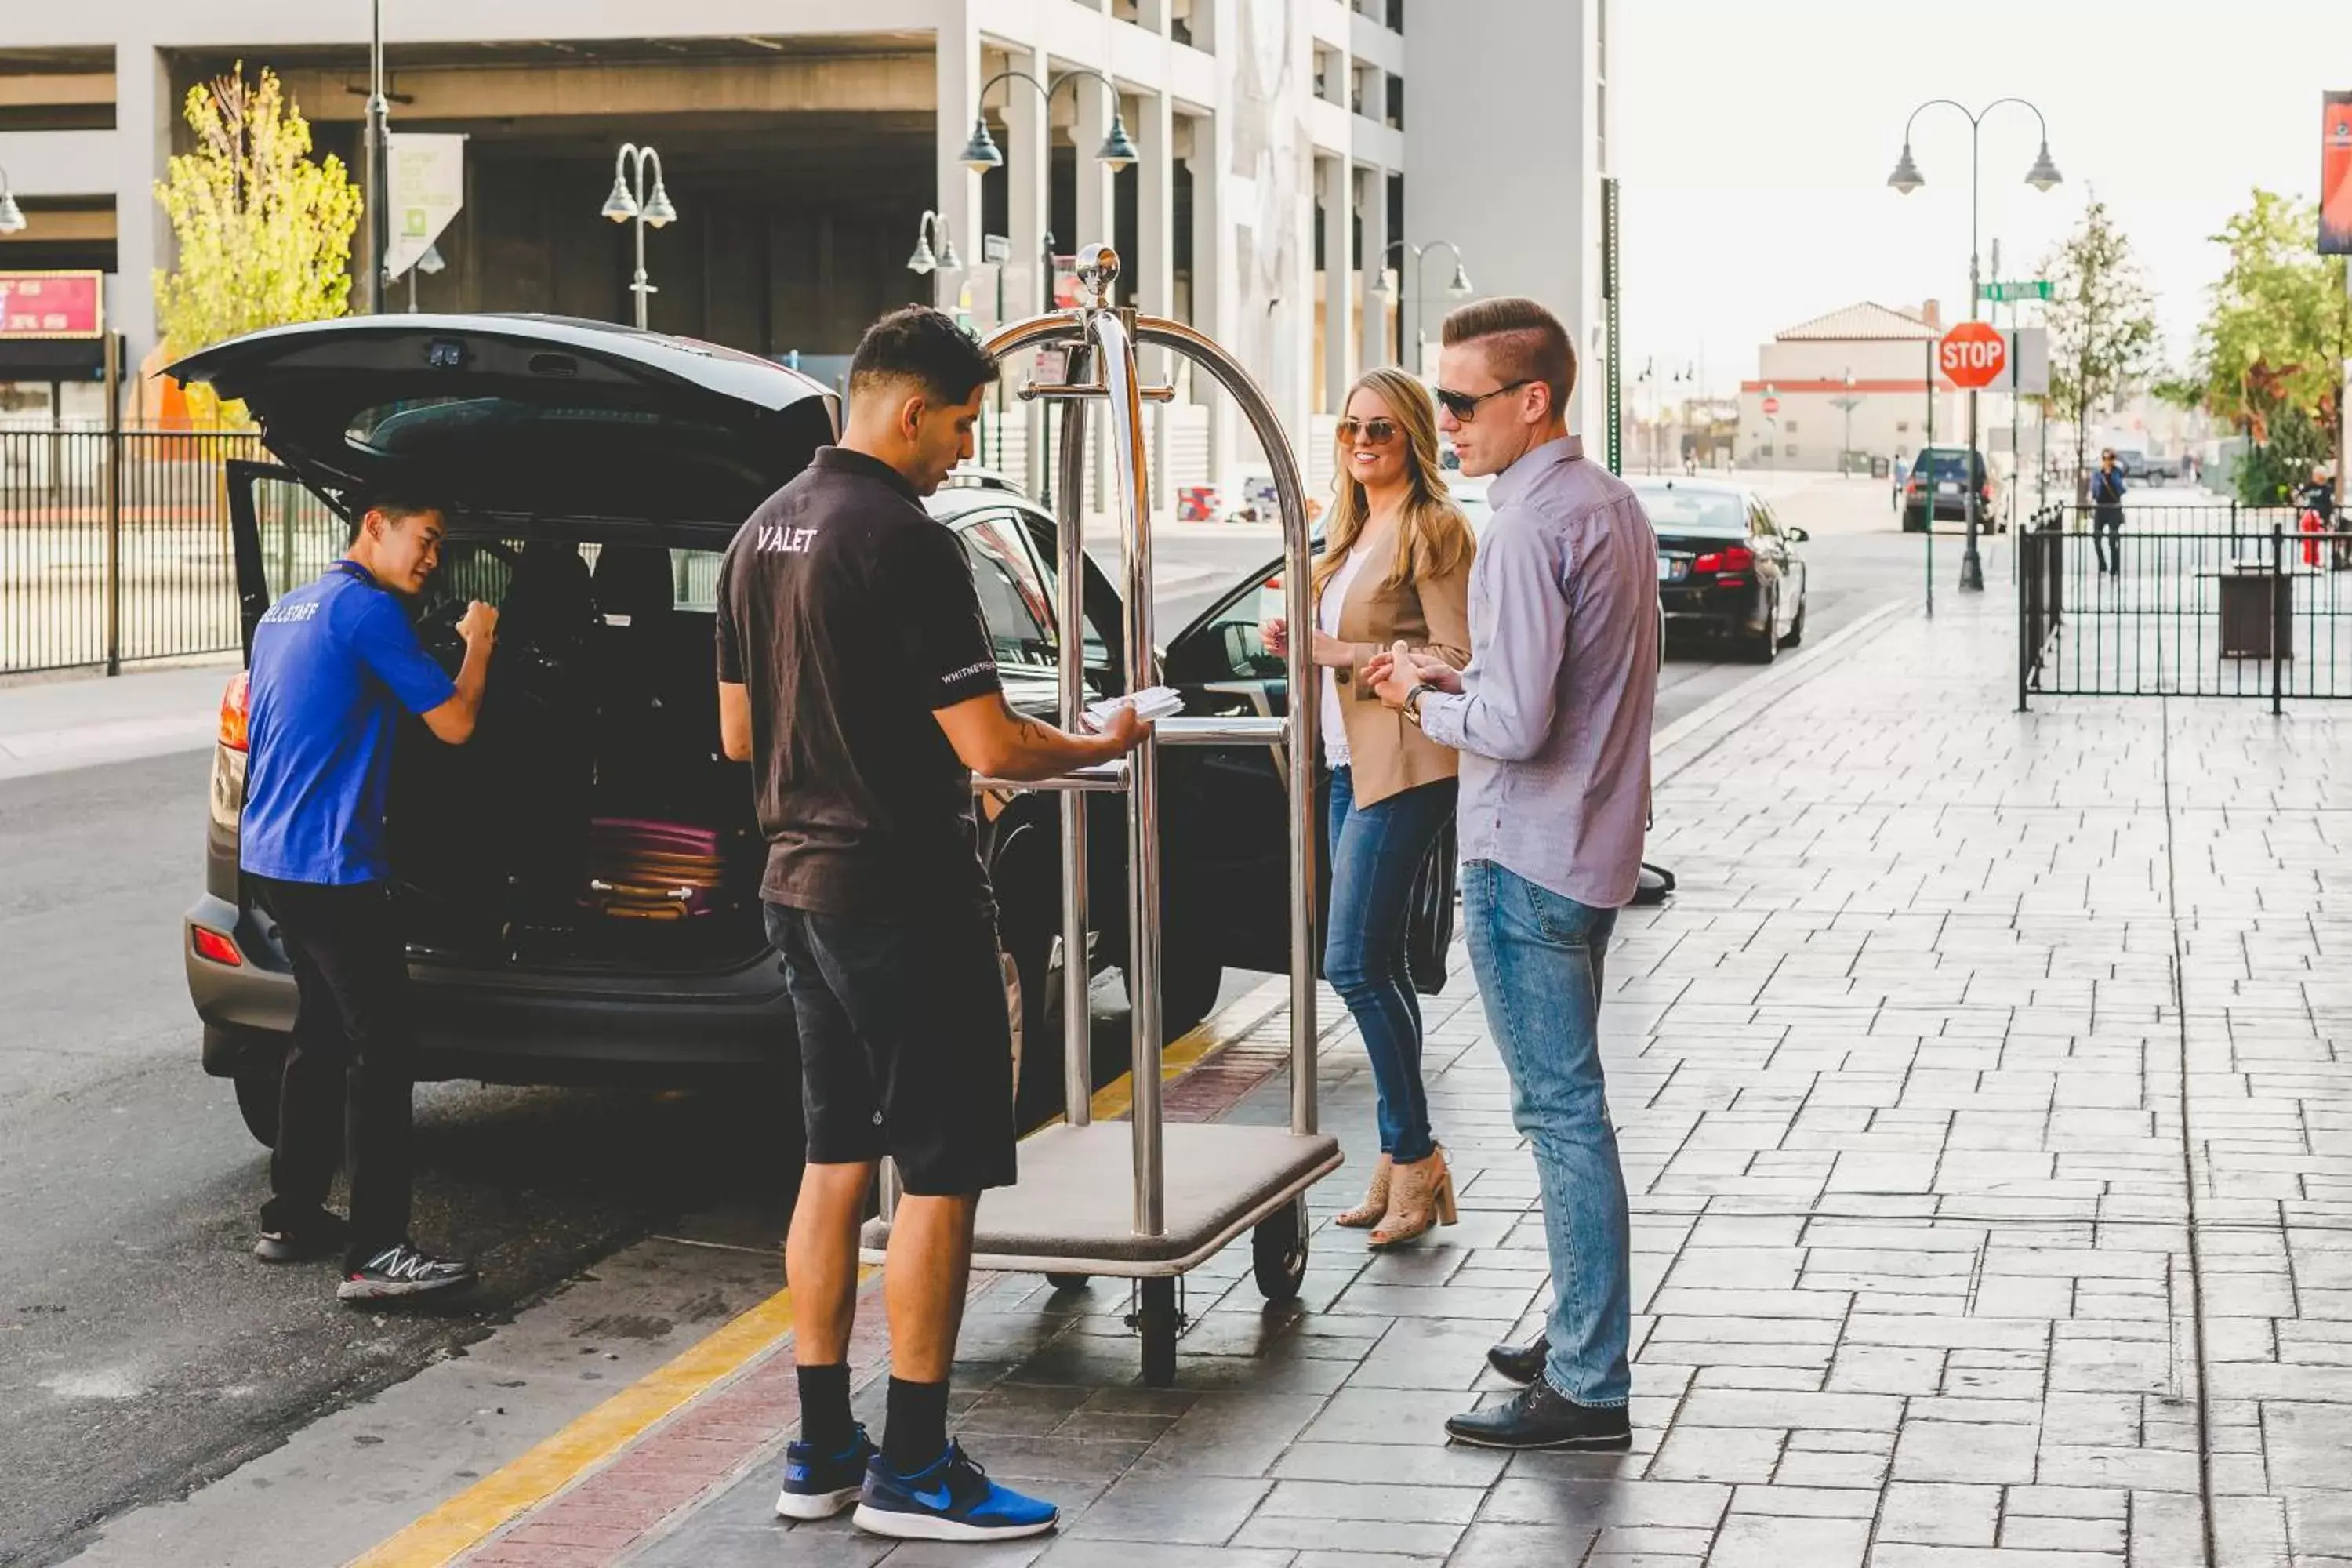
[1972, 354]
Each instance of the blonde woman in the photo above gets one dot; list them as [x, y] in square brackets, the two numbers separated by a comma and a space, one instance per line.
[1395, 567]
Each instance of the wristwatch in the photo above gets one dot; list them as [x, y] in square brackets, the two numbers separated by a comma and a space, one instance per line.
[1412, 700]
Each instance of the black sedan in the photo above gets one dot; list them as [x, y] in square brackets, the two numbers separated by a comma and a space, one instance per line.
[1726, 565]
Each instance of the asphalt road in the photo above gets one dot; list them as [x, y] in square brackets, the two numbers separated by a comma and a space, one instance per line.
[142, 1349]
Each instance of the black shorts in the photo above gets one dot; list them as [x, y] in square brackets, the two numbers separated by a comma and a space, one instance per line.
[906, 1044]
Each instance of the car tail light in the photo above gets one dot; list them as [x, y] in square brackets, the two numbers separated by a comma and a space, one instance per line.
[233, 714]
[212, 945]
[1735, 559]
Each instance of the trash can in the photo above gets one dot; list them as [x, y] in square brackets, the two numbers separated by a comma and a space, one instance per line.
[2254, 619]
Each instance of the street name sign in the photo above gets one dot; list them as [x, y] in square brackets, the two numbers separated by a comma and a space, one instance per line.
[1972, 355]
[2023, 288]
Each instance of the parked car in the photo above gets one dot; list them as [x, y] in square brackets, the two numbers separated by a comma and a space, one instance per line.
[595, 476]
[1940, 477]
[1727, 564]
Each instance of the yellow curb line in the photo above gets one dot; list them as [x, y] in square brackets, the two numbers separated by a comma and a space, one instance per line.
[466, 1520]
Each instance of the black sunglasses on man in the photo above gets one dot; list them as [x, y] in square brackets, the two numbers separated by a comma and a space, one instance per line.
[1465, 404]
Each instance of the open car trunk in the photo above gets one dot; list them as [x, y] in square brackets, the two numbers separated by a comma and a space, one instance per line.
[589, 476]
[591, 820]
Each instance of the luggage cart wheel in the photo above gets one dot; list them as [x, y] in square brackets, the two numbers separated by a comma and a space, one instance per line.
[1156, 1319]
[1069, 1281]
[1278, 1251]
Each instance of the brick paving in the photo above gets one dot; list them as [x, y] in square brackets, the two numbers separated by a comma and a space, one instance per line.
[1930, 1272]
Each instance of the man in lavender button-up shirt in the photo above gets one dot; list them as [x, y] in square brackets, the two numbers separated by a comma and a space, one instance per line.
[1552, 719]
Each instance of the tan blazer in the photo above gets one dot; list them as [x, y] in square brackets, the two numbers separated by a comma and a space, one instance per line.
[1389, 753]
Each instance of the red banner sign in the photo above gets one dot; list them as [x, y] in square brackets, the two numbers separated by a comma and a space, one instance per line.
[52, 305]
[2336, 175]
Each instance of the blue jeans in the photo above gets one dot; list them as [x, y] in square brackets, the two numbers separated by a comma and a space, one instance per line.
[1537, 956]
[1376, 853]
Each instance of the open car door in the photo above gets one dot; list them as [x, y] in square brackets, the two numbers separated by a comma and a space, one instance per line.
[281, 535]
[1241, 869]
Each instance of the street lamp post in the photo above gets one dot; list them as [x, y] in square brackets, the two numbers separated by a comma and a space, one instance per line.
[981, 154]
[1459, 288]
[1906, 179]
[1848, 402]
[377, 152]
[926, 260]
[628, 201]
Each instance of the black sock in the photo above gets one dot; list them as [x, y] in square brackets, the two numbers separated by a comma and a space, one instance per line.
[917, 1431]
[826, 1425]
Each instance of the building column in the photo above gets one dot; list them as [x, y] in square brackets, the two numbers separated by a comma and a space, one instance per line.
[1098, 197]
[1212, 273]
[1155, 269]
[1336, 183]
[1374, 183]
[958, 63]
[142, 140]
[1029, 169]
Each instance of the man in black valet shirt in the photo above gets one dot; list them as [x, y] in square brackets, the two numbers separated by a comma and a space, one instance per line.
[856, 674]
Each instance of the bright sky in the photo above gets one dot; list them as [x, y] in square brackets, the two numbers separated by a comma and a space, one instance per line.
[1755, 137]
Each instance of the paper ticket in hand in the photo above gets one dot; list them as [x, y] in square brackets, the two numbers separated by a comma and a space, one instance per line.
[1152, 704]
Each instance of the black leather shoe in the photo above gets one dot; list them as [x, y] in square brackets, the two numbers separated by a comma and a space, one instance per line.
[1540, 1416]
[1521, 1364]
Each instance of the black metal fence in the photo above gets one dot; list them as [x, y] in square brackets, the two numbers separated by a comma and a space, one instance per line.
[2184, 601]
[115, 548]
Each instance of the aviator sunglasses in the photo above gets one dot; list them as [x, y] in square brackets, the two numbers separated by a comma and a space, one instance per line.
[1375, 432]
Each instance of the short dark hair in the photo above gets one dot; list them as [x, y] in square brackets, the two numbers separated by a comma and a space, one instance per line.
[398, 499]
[924, 346]
[1524, 340]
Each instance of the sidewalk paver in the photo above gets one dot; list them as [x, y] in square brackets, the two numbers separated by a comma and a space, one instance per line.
[1991, 1170]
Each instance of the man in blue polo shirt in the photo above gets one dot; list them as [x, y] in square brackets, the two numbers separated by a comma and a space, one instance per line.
[334, 663]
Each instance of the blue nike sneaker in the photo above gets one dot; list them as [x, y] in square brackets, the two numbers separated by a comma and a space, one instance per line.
[818, 1486]
[954, 1500]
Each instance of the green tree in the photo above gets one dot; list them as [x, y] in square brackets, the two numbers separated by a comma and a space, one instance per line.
[264, 233]
[2102, 325]
[2269, 352]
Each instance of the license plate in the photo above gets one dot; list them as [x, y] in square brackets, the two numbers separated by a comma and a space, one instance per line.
[1948, 487]
[1671, 571]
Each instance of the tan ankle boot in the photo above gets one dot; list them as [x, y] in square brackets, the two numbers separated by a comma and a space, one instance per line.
[1375, 1206]
[1423, 1195]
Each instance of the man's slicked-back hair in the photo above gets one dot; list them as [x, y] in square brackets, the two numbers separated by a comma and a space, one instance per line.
[398, 499]
[924, 346]
[1523, 342]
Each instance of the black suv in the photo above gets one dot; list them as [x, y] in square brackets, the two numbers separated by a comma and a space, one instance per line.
[596, 476]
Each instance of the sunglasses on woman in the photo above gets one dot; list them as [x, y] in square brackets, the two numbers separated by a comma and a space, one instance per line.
[1374, 432]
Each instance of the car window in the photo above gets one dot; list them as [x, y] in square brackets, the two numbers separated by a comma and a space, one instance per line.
[1767, 525]
[1225, 645]
[1013, 596]
[1679, 511]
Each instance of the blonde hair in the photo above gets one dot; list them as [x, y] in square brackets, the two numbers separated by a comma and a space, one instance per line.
[1433, 535]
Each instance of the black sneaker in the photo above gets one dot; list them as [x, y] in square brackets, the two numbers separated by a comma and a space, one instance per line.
[1540, 1417]
[400, 1271]
[320, 1235]
[818, 1486]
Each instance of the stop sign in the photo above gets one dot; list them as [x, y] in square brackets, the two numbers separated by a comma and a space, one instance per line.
[1771, 405]
[1972, 354]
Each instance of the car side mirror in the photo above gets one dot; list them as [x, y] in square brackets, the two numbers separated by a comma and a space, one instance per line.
[1795, 535]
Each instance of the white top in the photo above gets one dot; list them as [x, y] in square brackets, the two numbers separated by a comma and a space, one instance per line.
[1327, 614]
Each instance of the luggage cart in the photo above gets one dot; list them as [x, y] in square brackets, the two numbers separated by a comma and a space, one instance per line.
[1191, 1188]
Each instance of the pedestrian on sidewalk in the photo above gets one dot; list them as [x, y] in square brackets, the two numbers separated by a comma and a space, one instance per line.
[333, 664]
[2107, 514]
[2316, 513]
[1395, 567]
[857, 677]
[1552, 717]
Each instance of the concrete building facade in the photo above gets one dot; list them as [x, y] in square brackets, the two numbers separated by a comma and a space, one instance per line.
[801, 140]
[1869, 356]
